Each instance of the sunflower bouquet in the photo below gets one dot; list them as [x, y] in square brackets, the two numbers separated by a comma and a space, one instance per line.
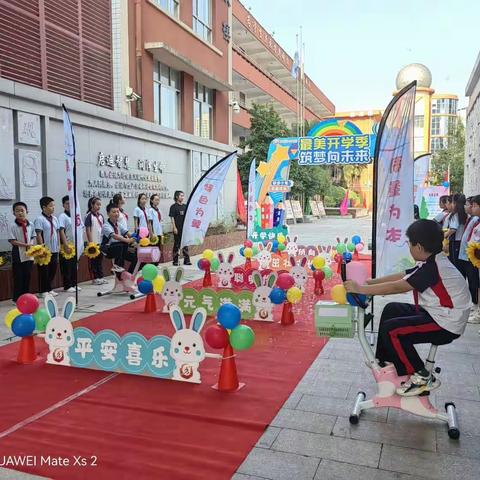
[144, 242]
[154, 239]
[473, 252]
[64, 254]
[35, 250]
[41, 255]
[92, 250]
[2, 261]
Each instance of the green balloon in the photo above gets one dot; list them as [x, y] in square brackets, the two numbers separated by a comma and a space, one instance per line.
[255, 251]
[149, 272]
[41, 317]
[281, 247]
[328, 272]
[242, 337]
[214, 264]
[351, 247]
[341, 248]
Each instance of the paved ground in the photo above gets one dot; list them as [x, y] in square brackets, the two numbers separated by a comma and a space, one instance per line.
[311, 437]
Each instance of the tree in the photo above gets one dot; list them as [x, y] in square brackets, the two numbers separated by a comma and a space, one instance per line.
[452, 157]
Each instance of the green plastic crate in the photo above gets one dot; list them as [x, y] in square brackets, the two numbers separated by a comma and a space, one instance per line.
[334, 320]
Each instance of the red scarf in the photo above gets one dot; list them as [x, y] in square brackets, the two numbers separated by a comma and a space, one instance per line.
[99, 218]
[158, 214]
[124, 213]
[115, 227]
[50, 221]
[145, 215]
[23, 224]
[473, 228]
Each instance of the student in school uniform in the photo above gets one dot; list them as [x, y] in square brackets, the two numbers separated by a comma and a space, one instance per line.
[474, 236]
[119, 202]
[94, 222]
[46, 228]
[156, 222]
[141, 215]
[442, 203]
[67, 267]
[455, 226]
[22, 237]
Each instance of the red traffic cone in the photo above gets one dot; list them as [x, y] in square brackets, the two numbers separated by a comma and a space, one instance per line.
[248, 263]
[228, 379]
[287, 314]
[150, 303]
[26, 351]
[207, 278]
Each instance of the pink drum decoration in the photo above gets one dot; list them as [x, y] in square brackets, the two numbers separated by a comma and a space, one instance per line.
[148, 254]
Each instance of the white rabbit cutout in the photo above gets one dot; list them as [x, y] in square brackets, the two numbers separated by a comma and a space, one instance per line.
[172, 292]
[292, 247]
[261, 296]
[299, 272]
[59, 332]
[187, 347]
[264, 256]
[225, 271]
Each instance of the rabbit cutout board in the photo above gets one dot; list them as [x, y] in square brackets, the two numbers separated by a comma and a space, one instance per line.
[292, 247]
[187, 349]
[172, 292]
[225, 271]
[299, 272]
[264, 256]
[59, 333]
[261, 296]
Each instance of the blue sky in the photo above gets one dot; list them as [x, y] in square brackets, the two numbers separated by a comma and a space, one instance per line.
[354, 49]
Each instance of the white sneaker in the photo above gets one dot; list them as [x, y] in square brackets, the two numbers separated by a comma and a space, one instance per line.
[417, 385]
[98, 281]
[104, 281]
[474, 315]
[71, 290]
[53, 293]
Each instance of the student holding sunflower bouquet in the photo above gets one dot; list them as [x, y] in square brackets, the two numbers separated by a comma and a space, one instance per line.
[156, 224]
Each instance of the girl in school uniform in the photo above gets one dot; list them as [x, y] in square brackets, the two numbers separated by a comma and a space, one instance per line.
[156, 222]
[119, 202]
[141, 216]
[93, 227]
[455, 226]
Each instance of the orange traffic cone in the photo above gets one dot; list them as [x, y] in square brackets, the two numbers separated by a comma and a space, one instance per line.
[207, 278]
[26, 351]
[287, 314]
[228, 379]
[150, 303]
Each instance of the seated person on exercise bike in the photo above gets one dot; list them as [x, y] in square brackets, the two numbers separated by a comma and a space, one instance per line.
[116, 241]
[440, 313]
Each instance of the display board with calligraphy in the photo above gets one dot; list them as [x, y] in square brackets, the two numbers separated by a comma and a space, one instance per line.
[297, 209]
[289, 210]
[314, 208]
[321, 209]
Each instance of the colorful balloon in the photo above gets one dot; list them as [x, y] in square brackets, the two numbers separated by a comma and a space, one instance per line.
[149, 272]
[27, 303]
[242, 249]
[281, 247]
[341, 248]
[351, 247]
[294, 295]
[356, 239]
[41, 317]
[158, 283]
[328, 272]
[319, 275]
[143, 232]
[23, 325]
[247, 252]
[229, 316]
[214, 264]
[216, 336]
[281, 238]
[359, 247]
[242, 337]
[285, 281]
[10, 316]
[255, 251]
[318, 262]
[204, 264]
[145, 287]
[139, 280]
[339, 294]
[208, 254]
[347, 256]
[352, 302]
[277, 296]
[248, 243]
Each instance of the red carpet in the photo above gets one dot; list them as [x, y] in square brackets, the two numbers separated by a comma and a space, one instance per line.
[139, 427]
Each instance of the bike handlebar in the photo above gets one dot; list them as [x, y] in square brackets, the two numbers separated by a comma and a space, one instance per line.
[356, 298]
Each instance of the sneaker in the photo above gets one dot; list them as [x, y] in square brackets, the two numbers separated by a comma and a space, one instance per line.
[70, 290]
[116, 269]
[98, 281]
[417, 384]
[104, 280]
[53, 293]
[175, 264]
[474, 315]
[187, 263]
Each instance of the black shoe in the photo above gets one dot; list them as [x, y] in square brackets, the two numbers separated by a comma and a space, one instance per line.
[175, 264]
[187, 263]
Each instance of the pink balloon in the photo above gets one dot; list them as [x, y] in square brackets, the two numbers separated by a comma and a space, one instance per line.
[359, 247]
[143, 232]
[357, 272]
[285, 281]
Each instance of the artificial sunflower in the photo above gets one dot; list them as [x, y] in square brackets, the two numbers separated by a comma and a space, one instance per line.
[44, 258]
[144, 242]
[68, 256]
[154, 240]
[2, 261]
[35, 250]
[92, 250]
[473, 252]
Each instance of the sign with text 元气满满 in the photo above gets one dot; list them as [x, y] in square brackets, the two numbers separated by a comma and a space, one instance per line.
[330, 150]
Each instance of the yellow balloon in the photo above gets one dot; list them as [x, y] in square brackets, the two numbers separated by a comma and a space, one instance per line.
[318, 262]
[208, 254]
[339, 294]
[247, 252]
[281, 237]
[294, 295]
[158, 284]
[10, 316]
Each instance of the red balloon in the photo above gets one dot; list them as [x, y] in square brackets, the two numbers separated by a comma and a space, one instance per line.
[318, 275]
[285, 281]
[216, 336]
[338, 258]
[204, 264]
[248, 244]
[27, 303]
[139, 280]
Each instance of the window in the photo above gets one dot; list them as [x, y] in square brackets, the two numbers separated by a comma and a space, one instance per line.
[166, 96]
[438, 144]
[419, 120]
[435, 126]
[452, 106]
[202, 19]
[202, 111]
[170, 6]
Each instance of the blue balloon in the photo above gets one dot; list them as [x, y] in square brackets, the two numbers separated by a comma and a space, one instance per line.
[242, 249]
[446, 184]
[145, 287]
[347, 256]
[351, 301]
[198, 264]
[229, 316]
[23, 325]
[136, 237]
[356, 239]
[278, 296]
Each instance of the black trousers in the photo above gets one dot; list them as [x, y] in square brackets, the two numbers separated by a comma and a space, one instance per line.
[453, 251]
[401, 327]
[22, 272]
[471, 274]
[120, 252]
[95, 265]
[176, 247]
[46, 274]
[68, 270]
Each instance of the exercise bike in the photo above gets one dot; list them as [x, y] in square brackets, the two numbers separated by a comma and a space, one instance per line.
[388, 381]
